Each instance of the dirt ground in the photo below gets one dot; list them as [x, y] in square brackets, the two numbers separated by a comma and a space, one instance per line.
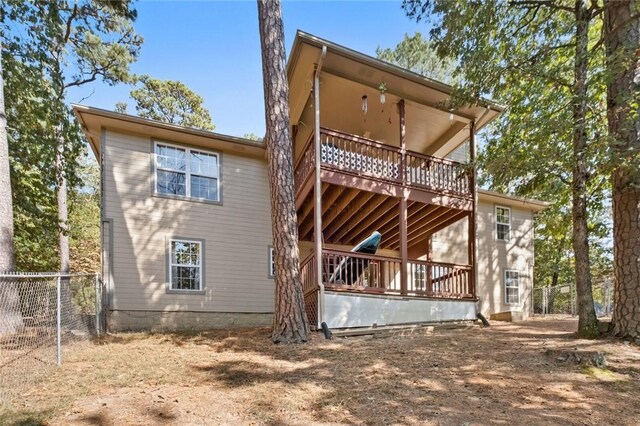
[533, 372]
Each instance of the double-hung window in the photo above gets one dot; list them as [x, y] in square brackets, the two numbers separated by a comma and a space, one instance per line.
[503, 223]
[272, 262]
[186, 172]
[185, 265]
[420, 277]
[511, 287]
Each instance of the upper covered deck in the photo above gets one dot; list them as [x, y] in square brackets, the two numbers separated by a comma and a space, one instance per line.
[351, 102]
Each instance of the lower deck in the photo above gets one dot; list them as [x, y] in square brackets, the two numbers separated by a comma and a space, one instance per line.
[358, 290]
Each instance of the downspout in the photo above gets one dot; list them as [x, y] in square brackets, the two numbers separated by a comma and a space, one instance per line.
[318, 188]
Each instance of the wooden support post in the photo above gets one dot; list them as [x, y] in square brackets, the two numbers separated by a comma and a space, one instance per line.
[404, 249]
[403, 148]
[317, 194]
[403, 201]
[472, 214]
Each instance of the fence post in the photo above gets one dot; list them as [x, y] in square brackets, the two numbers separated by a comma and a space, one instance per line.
[544, 301]
[98, 305]
[59, 320]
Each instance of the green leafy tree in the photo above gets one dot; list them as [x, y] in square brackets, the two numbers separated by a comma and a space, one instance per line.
[538, 58]
[72, 44]
[84, 218]
[419, 55]
[121, 107]
[172, 102]
[252, 136]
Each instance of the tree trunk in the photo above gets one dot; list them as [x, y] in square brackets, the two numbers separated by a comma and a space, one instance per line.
[61, 194]
[587, 321]
[290, 319]
[10, 317]
[622, 41]
[7, 259]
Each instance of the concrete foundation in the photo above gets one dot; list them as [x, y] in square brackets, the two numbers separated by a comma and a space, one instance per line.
[183, 321]
[345, 310]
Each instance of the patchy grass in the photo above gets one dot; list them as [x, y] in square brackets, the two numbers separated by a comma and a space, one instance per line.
[500, 374]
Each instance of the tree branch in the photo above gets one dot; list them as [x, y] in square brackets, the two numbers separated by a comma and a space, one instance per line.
[530, 4]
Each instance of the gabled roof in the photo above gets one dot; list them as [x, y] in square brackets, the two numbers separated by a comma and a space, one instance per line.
[93, 120]
[512, 200]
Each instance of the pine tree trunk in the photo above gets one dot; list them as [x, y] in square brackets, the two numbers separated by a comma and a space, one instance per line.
[7, 257]
[587, 320]
[622, 41]
[290, 319]
[10, 316]
[61, 194]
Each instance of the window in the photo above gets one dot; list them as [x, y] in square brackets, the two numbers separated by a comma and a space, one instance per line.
[511, 287]
[185, 265]
[272, 262]
[503, 223]
[186, 172]
[420, 277]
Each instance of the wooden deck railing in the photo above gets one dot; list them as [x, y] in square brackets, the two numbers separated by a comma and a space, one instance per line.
[305, 164]
[348, 271]
[308, 276]
[367, 158]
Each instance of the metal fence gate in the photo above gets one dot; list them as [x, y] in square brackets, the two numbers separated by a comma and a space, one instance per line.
[561, 299]
[42, 317]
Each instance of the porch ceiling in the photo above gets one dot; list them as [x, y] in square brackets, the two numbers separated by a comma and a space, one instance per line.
[349, 215]
[427, 129]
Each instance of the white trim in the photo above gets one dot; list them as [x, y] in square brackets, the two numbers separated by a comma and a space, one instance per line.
[504, 284]
[199, 266]
[502, 223]
[187, 172]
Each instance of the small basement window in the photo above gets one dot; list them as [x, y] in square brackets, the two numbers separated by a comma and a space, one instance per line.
[503, 223]
[511, 287]
[185, 265]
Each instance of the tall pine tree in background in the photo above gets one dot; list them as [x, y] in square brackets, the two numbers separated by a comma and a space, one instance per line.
[70, 44]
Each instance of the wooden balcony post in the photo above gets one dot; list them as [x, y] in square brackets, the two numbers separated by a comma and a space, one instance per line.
[403, 147]
[472, 215]
[317, 187]
[404, 252]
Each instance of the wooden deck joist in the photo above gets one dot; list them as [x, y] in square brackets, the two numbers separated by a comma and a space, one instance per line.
[350, 215]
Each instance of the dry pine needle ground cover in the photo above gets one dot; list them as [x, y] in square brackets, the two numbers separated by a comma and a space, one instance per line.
[506, 374]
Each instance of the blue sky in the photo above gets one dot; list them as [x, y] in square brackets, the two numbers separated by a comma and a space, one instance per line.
[214, 48]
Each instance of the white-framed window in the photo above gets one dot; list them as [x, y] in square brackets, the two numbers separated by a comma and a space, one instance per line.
[272, 262]
[511, 287]
[185, 265]
[420, 277]
[186, 172]
[503, 223]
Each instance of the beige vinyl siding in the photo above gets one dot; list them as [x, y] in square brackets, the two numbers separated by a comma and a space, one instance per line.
[460, 154]
[236, 234]
[493, 256]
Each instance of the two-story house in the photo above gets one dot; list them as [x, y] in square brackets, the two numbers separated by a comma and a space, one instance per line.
[186, 229]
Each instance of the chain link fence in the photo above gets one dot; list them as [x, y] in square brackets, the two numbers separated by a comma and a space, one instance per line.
[42, 317]
[561, 299]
